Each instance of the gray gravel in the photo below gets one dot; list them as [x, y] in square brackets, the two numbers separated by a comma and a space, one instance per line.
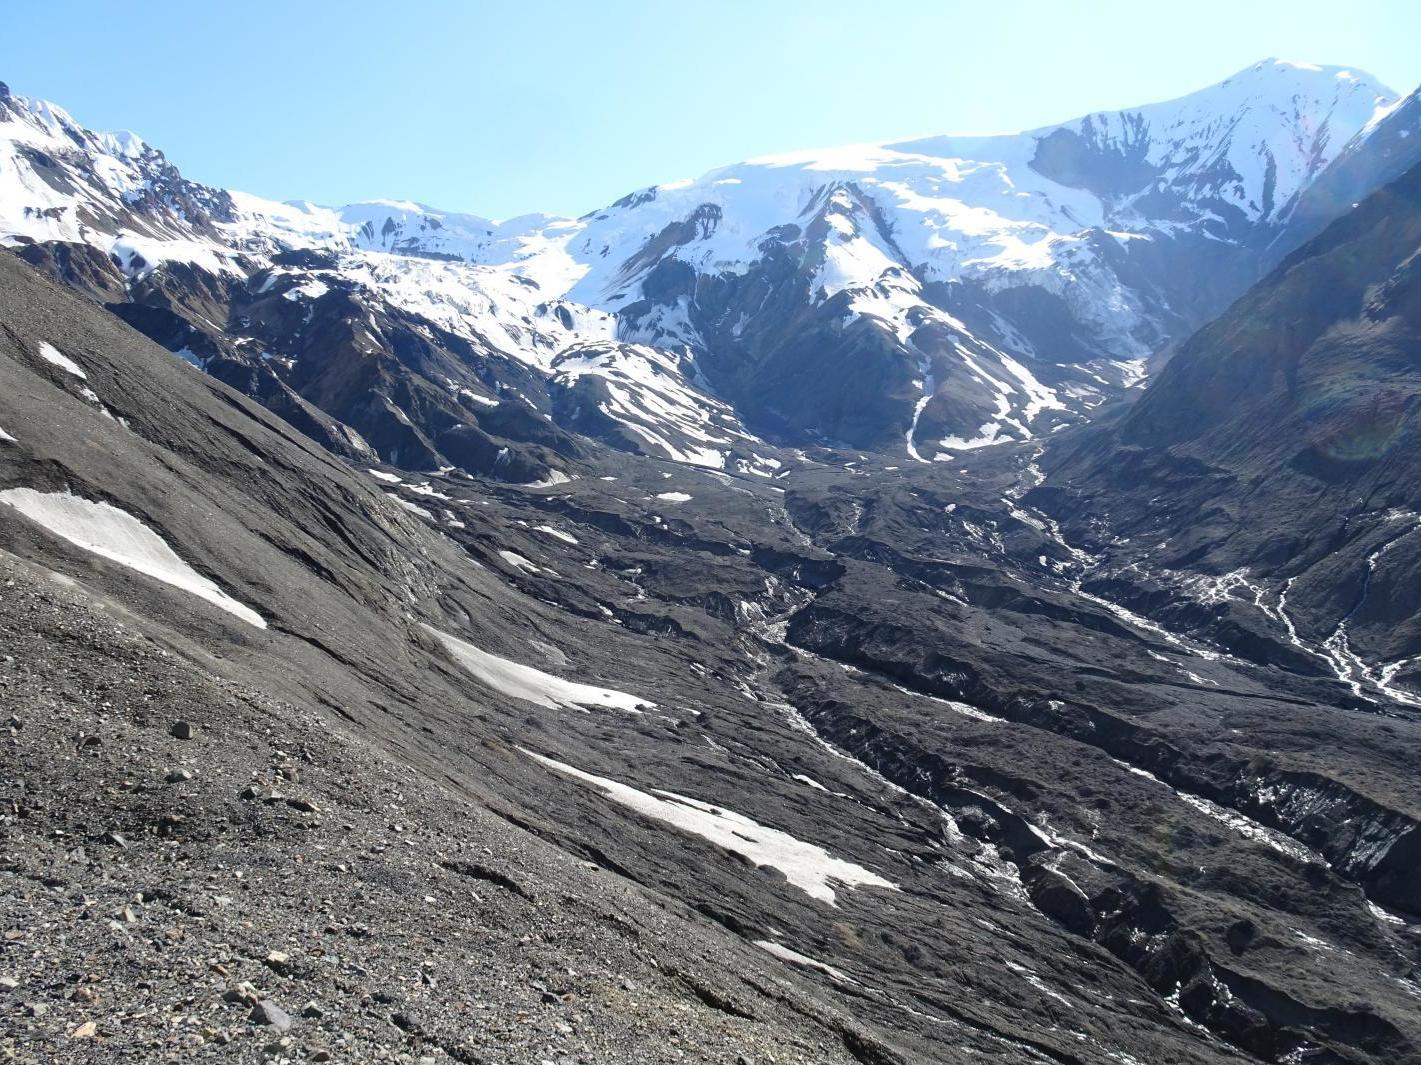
[270, 890]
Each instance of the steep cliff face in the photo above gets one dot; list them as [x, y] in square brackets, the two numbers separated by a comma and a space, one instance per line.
[1381, 152]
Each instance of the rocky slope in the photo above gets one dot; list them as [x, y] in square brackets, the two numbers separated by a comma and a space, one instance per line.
[267, 888]
[1272, 465]
[866, 768]
[223, 787]
[396, 625]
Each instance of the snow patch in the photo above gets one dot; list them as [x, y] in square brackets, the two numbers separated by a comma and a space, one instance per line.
[411, 507]
[794, 957]
[517, 561]
[533, 685]
[118, 536]
[808, 867]
[50, 354]
[554, 478]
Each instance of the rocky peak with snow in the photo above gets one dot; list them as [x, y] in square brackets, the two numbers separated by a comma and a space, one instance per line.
[1243, 149]
[922, 296]
[60, 182]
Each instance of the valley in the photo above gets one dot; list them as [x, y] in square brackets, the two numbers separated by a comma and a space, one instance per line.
[873, 606]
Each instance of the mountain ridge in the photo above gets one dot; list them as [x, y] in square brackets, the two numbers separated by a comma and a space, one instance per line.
[975, 300]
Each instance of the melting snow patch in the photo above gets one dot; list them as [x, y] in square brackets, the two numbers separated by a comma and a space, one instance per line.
[554, 477]
[1313, 941]
[794, 957]
[1035, 981]
[1384, 915]
[808, 867]
[557, 533]
[383, 476]
[533, 685]
[674, 497]
[1240, 823]
[6, 438]
[1248, 828]
[517, 561]
[485, 400]
[986, 436]
[312, 289]
[411, 507]
[118, 536]
[49, 353]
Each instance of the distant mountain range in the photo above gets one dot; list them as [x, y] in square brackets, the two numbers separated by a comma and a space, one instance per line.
[924, 297]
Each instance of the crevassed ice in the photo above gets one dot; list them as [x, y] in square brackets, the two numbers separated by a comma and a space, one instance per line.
[533, 685]
[808, 867]
[111, 533]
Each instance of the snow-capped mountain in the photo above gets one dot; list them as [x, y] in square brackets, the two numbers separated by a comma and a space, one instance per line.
[1380, 152]
[924, 296]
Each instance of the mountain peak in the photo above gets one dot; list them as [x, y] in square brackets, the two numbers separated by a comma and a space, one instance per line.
[1274, 70]
[1081, 222]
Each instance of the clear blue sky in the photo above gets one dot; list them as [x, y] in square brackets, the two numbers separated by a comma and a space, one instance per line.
[506, 108]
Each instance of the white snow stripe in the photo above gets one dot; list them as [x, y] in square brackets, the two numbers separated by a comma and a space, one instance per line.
[808, 867]
[115, 534]
[533, 685]
[49, 353]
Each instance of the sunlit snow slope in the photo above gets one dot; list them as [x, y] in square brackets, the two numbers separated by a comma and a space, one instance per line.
[925, 296]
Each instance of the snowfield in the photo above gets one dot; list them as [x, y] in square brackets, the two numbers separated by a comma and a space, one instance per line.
[810, 868]
[116, 535]
[533, 685]
[649, 394]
